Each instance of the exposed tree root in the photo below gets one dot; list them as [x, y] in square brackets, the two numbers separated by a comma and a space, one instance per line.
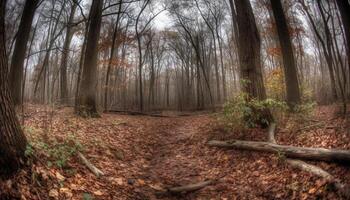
[187, 188]
[90, 166]
[271, 133]
[190, 187]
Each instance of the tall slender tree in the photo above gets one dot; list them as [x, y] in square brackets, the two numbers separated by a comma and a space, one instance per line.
[65, 54]
[19, 52]
[12, 140]
[86, 105]
[290, 69]
[112, 52]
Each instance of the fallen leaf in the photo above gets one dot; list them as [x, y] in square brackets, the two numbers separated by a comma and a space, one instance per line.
[312, 190]
[119, 181]
[156, 187]
[59, 176]
[53, 193]
[98, 193]
[67, 192]
[141, 182]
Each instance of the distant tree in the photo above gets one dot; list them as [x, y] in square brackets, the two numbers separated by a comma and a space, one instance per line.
[65, 54]
[138, 37]
[12, 140]
[19, 52]
[86, 102]
[112, 52]
[290, 69]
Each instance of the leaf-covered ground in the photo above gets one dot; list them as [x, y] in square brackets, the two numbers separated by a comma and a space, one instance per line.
[142, 155]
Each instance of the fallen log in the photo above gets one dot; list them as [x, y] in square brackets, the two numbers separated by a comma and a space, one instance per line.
[343, 189]
[90, 166]
[190, 187]
[186, 188]
[136, 113]
[321, 154]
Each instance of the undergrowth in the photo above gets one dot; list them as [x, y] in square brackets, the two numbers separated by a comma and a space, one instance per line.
[239, 114]
[57, 152]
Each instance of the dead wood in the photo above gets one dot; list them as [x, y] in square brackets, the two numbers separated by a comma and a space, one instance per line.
[124, 112]
[190, 187]
[290, 151]
[320, 154]
[90, 166]
[271, 133]
[186, 188]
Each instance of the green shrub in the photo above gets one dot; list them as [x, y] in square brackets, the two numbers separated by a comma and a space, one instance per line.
[240, 114]
[57, 152]
[60, 153]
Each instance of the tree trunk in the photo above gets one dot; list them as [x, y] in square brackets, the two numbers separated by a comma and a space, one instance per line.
[249, 55]
[12, 140]
[326, 52]
[65, 55]
[87, 95]
[344, 9]
[320, 154]
[113, 48]
[19, 52]
[290, 69]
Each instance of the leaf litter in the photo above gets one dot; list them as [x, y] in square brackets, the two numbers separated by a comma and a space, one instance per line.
[141, 155]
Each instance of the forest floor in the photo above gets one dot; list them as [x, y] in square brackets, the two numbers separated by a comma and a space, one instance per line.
[142, 155]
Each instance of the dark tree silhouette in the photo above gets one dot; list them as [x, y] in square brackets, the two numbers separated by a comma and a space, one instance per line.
[87, 95]
[12, 140]
[290, 69]
[19, 52]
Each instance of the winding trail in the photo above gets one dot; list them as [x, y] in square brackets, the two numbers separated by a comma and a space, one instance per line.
[174, 161]
[141, 155]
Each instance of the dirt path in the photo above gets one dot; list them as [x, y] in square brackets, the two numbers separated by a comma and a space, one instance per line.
[141, 155]
[173, 161]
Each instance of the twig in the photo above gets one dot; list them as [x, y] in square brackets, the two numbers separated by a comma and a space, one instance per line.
[90, 166]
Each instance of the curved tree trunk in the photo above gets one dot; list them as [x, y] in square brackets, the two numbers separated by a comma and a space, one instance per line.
[86, 105]
[18, 57]
[344, 9]
[111, 56]
[12, 140]
[65, 55]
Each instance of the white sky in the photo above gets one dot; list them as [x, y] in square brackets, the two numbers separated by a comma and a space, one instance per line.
[162, 21]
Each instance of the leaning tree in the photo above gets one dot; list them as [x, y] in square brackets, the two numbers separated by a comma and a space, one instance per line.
[12, 140]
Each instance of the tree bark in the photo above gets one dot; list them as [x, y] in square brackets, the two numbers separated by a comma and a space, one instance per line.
[325, 47]
[87, 100]
[344, 9]
[320, 154]
[65, 55]
[249, 51]
[12, 140]
[113, 48]
[290, 69]
[19, 52]
[249, 46]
